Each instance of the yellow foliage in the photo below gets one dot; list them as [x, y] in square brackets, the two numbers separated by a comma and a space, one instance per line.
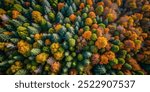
[88, 21]
[2, 45]
[119, 2]
[58, 55]
[41, 58]
[110, 17]
[16, 66]
[146, 8]
[54, 47]
[131, 21]
[37, 16]
[137, 16]
[2, 11]
[23, 47]
[7, 33]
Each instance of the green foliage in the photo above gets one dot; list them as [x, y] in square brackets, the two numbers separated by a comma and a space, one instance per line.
[4, 37]
[21, 72]
[51, 16]
[46, 49]
[116, 42]
[80, 57]
[99, 70]
[113, 62]
[72, 42]
[53, 3]
[115, 48]
[93, 49]
[99, 10]
[127, 66]
[120, 73]
[69, 58]
[35, 51]
[94, 37]
[18, 7]
[121, 60]
[22, 32]
[38, 8]
[32, 30]
[122, 53]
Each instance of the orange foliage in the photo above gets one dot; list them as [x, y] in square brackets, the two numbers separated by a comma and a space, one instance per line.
[117, 66]
[100, 3]
[81, 6]
[27, 4]
[95, 26]
[134, 64]
[144, 35]
[89, 2]
[119, 2]
[111, 17]
[15, 14]
[129, 44]
[87, 35]
[72, 17]
[92, 15]
[134, 36]
[106, 30]
[146, 52]
[107, 2]
[47, 42]
[116, 37]
[60, 6]
[127, 72]
[73, 72]
[95, 58]
[104, 59]
[110, 55]
[7, 33]
[101, 42]
[108, 46]
[99, 32]
[37, 36]
[80, 31]
[140, 57]
[137, 16]
[55, 67]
